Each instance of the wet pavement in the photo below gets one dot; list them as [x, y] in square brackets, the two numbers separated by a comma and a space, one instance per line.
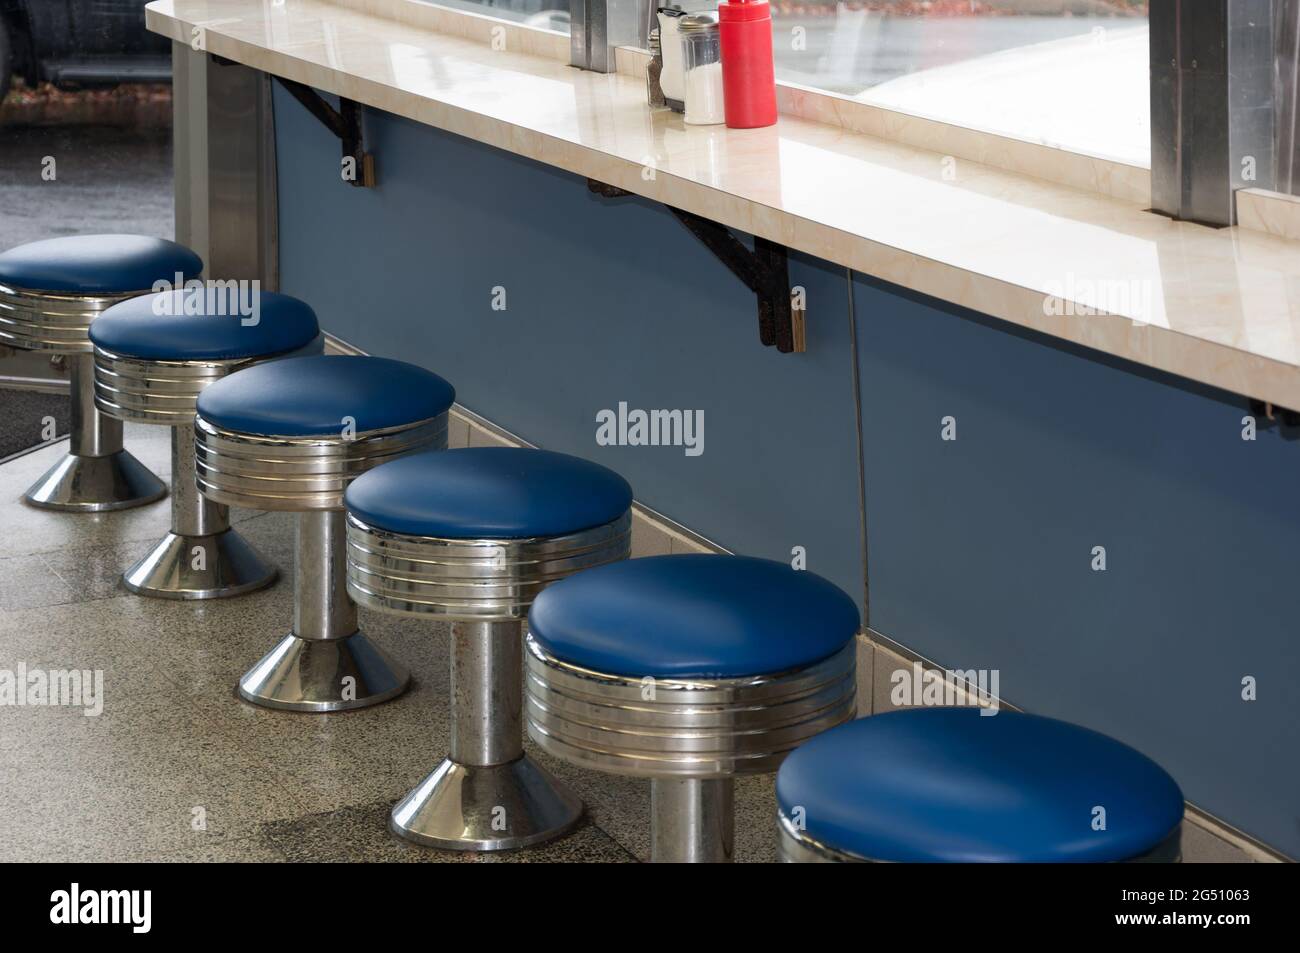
[105, 179]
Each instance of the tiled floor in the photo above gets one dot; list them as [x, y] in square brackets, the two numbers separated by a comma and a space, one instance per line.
[178, 768]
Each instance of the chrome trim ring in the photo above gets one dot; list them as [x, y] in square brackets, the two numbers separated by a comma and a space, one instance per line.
[796, 847]
[152, 391]
[1168, 851]
[471, 579]
[697, 728]
[50, 321]
[295, 474]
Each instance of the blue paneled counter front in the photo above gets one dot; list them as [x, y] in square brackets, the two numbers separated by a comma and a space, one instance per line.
[981, 547]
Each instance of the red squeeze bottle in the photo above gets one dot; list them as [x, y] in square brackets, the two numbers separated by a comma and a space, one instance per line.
[748, 76]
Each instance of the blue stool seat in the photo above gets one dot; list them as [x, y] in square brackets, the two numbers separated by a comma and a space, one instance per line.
[312, 396]
[948, 784]
[205, 324]
[96, 264]
[693, 616]
[489, 493]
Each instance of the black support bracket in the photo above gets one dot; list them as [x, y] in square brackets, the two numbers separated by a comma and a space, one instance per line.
[1268, 416]
[345, 123]
[765, 271]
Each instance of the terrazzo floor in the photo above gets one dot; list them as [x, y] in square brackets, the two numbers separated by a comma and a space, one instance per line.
[177, 767]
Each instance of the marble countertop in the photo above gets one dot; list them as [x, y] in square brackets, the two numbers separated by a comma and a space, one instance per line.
[1219, 306]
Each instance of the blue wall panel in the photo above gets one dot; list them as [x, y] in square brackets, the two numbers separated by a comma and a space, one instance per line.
[980, 549]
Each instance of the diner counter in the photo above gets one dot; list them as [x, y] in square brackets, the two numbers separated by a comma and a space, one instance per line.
[1217, 306]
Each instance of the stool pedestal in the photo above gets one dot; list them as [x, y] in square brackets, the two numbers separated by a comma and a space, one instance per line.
[487, 795]
[507, 540]
[325, 663]
[155, 355]
[202, 557]
[97, 475]
[692, 820]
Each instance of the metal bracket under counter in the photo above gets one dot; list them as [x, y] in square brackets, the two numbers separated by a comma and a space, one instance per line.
[345, 123]
[1270, 415]
[765, 271]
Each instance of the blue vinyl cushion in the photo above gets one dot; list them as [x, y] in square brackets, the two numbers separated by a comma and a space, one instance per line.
[693, 617]
[97, 264]
[948, 784]
[205, 324]
[489, 493]
[312, 396]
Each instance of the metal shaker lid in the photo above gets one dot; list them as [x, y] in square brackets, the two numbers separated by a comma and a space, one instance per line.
[698, 23]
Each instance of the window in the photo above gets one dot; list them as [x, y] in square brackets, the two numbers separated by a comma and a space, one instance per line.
[1072, 74]
[1067, 73]
[542, 14]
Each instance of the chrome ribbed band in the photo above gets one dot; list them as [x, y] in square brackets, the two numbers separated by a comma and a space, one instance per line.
[661, 728]
[471, 579]
[48, 321]
[155, 391]
[299, 473]
[796, 847]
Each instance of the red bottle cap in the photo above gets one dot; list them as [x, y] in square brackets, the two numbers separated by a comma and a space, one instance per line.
[734, 11]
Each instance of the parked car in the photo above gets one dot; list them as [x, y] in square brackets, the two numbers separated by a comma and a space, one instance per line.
[74, 43]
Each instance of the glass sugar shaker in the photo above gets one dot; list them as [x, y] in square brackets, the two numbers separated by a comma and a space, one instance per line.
[702, 59]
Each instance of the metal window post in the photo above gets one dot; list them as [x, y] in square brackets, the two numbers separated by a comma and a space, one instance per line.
[224, 142]
[1286, 26]
[599, 27]
[1212, 105]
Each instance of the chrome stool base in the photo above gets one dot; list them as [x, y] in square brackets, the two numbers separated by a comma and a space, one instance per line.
[97, 475]
[325, 663]
[487, 795]
[201, 557]
[321, 675]
[486, 807]
[89, 484]
[200, 567]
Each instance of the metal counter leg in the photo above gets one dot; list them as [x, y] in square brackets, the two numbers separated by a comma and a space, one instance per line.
[692, 820]
[97, 474]
[325, 663]
[202, 557]
[487, 795]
